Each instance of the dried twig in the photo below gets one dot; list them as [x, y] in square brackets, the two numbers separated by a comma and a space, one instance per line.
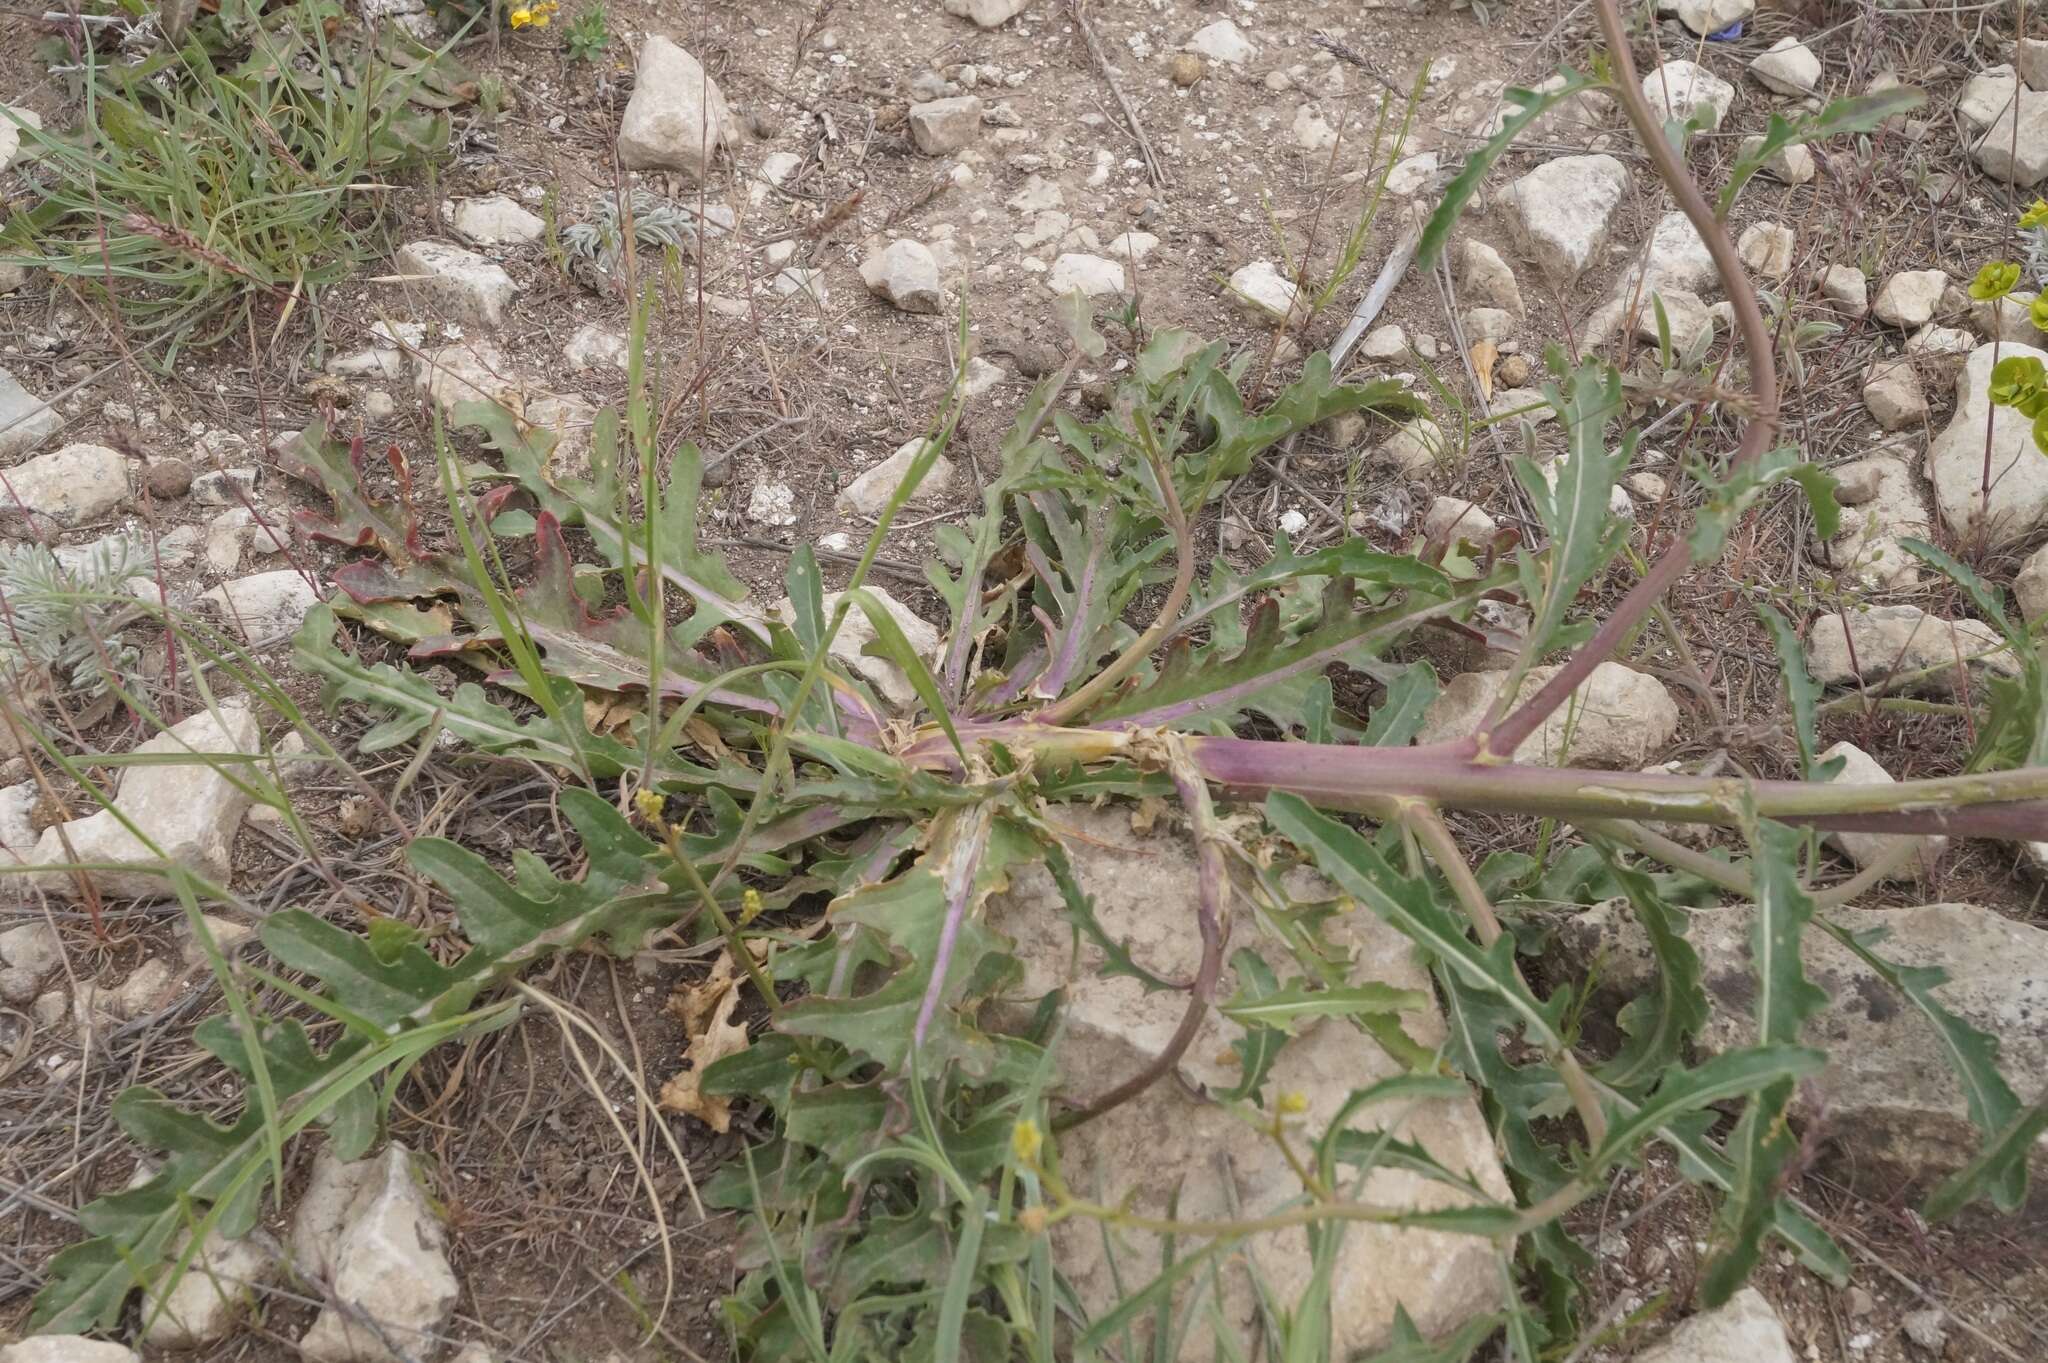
[1078, 8]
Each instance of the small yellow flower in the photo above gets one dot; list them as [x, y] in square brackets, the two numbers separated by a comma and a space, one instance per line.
[750, 906]
[1032, 1220]
[520, 18]
[1026, 1141]
[648, 804]
[1293, 1103]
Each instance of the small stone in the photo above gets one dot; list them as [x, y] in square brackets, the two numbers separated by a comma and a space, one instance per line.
[906, 274]
[389, 1264]
[1564, 208]
[11, 130]
[1680, 89]
[25, 421]
[850, 645]
[1222, 41]
[1617, 719]
[1934, 340]
[66, 1349]
[1766, 247]
[1706, 17]
[1649, 487]
[34, 947]
[594, 346]
[1261, 290]
[795, 280]
[2018, 501]
[469, 286]
[1986, 95]
[1685, 316]
[1389, 342]
[2032, 59]
[1880, 642]
[1891, 390]
[1450, 519]
[1928, 1329]
[1411, 176]
[1859, 768]
[225, 487]
[263, 606]
[1185, 68]
[1093, 276]
[1292, 521]
[1133, 247]
[927, 85]
[2015, 146]
[1883, 505]
[1488, 324]
[495, 220]
[1742, 1330]
[772, 504]
[189, 809]
[1909, 298]
[869, 493]
[1486, 278]
[219, 1285]
[1791, 165]
[1312, 132]
[2005, 319]
[2030, 588]
[170, 478]
[1790, 68]
[68, 488]
[1846, 287]
[986, 13]
[1857, 1303]
[1514, 373]
[941, 126]
[677, 118]
[1418, 449]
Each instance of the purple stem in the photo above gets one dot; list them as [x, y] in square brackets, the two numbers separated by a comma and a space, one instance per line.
[966, 860]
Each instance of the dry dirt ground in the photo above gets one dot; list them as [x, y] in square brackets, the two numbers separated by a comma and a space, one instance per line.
[552, 1243]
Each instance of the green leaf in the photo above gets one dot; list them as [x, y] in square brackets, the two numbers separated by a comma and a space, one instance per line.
[1260, 1045]
[2002, 1163]
[1861, 113]
[1294, 1003]
[1727, 501]
[1731, 1074]
[1657, 1024]
[2018, 380]
[1529, 106]
[1997, 279]
[1802, 694]
[1399, 717]
[1584, 534]
[893, 645]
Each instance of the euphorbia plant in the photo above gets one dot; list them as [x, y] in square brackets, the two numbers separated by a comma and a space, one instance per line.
[729, 775]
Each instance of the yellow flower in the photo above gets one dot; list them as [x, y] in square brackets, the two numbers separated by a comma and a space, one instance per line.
[1293, 1103]
[520, 18]
[750, 906]
[1032, 1220]
[648, 804]
[1026, 1141]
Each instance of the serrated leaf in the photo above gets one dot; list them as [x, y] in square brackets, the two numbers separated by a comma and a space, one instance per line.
[1260, 1045]
[1860, 113]
[1802, 694]
[2002, 1163]
[1529, 106]
[1728, 500]
[1575, 506]
[1294, 1003]
[1658, 1024]
[1731, 1074]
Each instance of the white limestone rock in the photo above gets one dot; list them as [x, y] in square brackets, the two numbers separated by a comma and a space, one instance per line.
[677, 118]
[70, 487]
[469, 287]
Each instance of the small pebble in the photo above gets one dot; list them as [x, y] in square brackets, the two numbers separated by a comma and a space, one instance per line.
[167, 478]
[1185, 68]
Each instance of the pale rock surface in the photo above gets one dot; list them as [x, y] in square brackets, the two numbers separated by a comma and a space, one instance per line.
[1934, 340]
[1563, 211]
[34, 947]
[2006, 319]
[1673, 259]
[1222, 41]
[1684, 314]
[677, 118]
[1859, 768]
[1092, 275]
[1389, 342]
[189, 809]
[68, 487]
[495, 220]
[1882, 504]
[1987, 94]
[388, 1260]
[1262, 291]
[1133, 247]
[1648, 487]
[1313, 133]
[2015, 146]
[595, 346]
[219, 1286]
[857, 632]
[1454, 518]
[1712, 16]
[468, 286]
[1484, 277]
[1617, 719]
[1888, 1098]
[1679, 89]
[264, 605]
[870, 492]
[1791, 165]
[1790, 68]
[1418, 449]
[17, 840]
[986, 13]
[2018, 503]
[1744, 1329]
[1413, 174]
[1141, 887]
[66, 1349]
[1847, 288]
[1767, 247]
[1884, 641]
[905, 273]
[772, 505]
[11, 129]
[1892, 392]
[2030, 588]
[1489, 324]
[1909, 298]
[468, 372]
[26, 421]
[940, 126]
[2032, 59]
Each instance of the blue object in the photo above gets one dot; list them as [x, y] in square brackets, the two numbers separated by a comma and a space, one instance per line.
[1728, 34]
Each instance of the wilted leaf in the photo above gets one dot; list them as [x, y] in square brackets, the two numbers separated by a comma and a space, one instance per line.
[706, 1011]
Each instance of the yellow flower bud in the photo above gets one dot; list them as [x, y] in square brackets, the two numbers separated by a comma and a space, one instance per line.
[1293, 1103]
[648, 804]
[1026, 1141]
[1032, 1220]
[750, 906]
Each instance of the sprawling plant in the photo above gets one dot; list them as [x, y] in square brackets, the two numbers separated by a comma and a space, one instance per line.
[727, 772]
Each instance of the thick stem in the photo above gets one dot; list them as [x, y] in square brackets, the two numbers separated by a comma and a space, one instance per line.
[1509, 734]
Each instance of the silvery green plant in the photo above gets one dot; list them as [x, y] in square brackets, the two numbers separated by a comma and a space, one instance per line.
[61, 623]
